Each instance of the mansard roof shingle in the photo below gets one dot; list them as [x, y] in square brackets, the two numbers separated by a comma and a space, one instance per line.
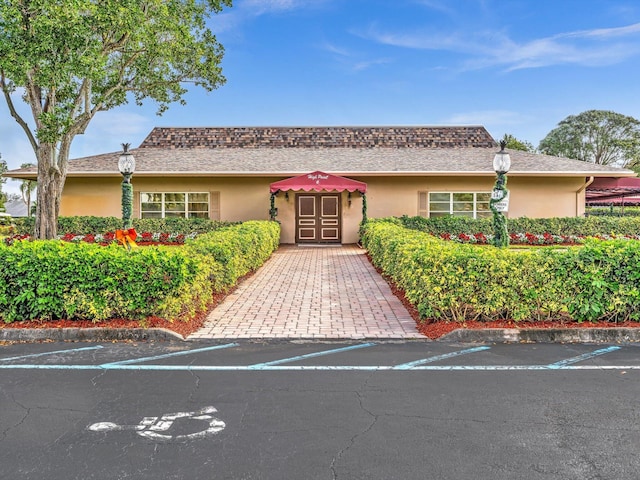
[319, 137]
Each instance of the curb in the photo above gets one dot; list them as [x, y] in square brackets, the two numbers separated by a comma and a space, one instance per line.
[87, 334]
[461, 335]
[544, 335]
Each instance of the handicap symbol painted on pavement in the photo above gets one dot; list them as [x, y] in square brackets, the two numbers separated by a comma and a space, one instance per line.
[153, 427]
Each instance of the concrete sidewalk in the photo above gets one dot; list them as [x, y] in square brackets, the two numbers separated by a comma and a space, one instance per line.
[312, 293]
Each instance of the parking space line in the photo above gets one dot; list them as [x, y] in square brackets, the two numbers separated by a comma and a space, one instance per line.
[168, 355]
[410, 365]
[51, 353]
[296, 368]
[584, 356]
[260, 366]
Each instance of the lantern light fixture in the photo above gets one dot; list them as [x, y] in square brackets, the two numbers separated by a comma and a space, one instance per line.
[502, 161]
[126, 162]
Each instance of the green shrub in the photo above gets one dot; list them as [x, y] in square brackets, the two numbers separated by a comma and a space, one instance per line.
[93, 225]
[232, 252]
[55, 279]
[614, 211]
[602, 280]
[452, 281]
[581, 226]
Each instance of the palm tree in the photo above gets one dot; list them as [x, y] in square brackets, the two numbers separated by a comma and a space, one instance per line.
[27, 187]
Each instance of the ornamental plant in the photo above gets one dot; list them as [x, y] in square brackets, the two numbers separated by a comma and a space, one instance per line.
[446, 280]
[79, 280]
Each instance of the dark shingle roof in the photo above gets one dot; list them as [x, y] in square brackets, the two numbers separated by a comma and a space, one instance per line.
[318, 137]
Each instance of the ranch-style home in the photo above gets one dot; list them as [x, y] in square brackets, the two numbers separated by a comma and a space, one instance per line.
[316, 178]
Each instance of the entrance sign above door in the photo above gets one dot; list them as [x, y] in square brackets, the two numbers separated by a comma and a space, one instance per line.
[318, 181]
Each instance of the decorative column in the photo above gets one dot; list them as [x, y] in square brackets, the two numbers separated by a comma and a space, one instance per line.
[126, 165]
[499, 202]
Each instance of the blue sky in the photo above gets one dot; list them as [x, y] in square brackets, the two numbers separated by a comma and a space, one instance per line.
[514, 66]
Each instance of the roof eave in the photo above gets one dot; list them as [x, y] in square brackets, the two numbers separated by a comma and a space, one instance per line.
[369, 173]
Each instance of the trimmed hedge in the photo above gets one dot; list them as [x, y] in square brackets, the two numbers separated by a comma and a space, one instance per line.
[451, 281]
[93, 225]
[614, 211]
[55, 279]
[580, 226]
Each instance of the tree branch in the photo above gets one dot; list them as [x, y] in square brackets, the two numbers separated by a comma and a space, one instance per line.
[16, 115]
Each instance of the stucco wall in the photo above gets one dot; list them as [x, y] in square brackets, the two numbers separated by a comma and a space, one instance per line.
[534, 197]
[248, 198]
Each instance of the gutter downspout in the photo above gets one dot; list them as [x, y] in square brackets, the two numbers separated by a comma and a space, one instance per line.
[582, 189]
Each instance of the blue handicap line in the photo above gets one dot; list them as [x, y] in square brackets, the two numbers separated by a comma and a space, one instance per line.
[580, 358]
[262, 366]
[410, 365]
[167, 355]
[42, 354]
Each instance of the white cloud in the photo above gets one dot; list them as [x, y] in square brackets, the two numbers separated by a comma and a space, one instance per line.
[437, 5]
[596, 47]
[486, 118]
[352, 61]
[366, 64]
[245, 10]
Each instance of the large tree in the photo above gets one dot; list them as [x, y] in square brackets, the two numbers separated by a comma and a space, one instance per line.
[597, 136]
[73, 59]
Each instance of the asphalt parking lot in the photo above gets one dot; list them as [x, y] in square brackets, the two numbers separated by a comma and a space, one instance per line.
[331, 410]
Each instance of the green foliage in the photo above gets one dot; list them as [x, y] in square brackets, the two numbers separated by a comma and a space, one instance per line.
[515, 144]
[500, 229]
[127, 205]
[614, 211]
[580, 226]
[602, 280]
[53, 279]
[94, 225]
[75, 59]
[596, 136]
[450, 281]
[232, 252]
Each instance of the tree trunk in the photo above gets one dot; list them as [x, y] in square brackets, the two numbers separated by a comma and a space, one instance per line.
[50, 183]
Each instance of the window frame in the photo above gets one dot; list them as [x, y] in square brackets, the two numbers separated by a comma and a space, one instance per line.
[163, 210]
[451, 203]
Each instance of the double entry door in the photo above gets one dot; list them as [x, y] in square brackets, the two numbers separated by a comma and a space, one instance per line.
[318, 218]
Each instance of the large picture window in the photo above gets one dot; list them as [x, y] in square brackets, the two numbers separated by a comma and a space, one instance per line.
[162, 205]
[461, 204]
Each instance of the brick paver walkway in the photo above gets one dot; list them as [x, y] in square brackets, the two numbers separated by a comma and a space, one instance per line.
[312, 292]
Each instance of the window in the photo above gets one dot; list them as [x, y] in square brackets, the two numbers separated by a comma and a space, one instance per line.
[462, 204]
[162, 205]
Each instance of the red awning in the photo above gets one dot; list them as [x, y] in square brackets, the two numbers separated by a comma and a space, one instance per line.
[318, 181]
[610, 188]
